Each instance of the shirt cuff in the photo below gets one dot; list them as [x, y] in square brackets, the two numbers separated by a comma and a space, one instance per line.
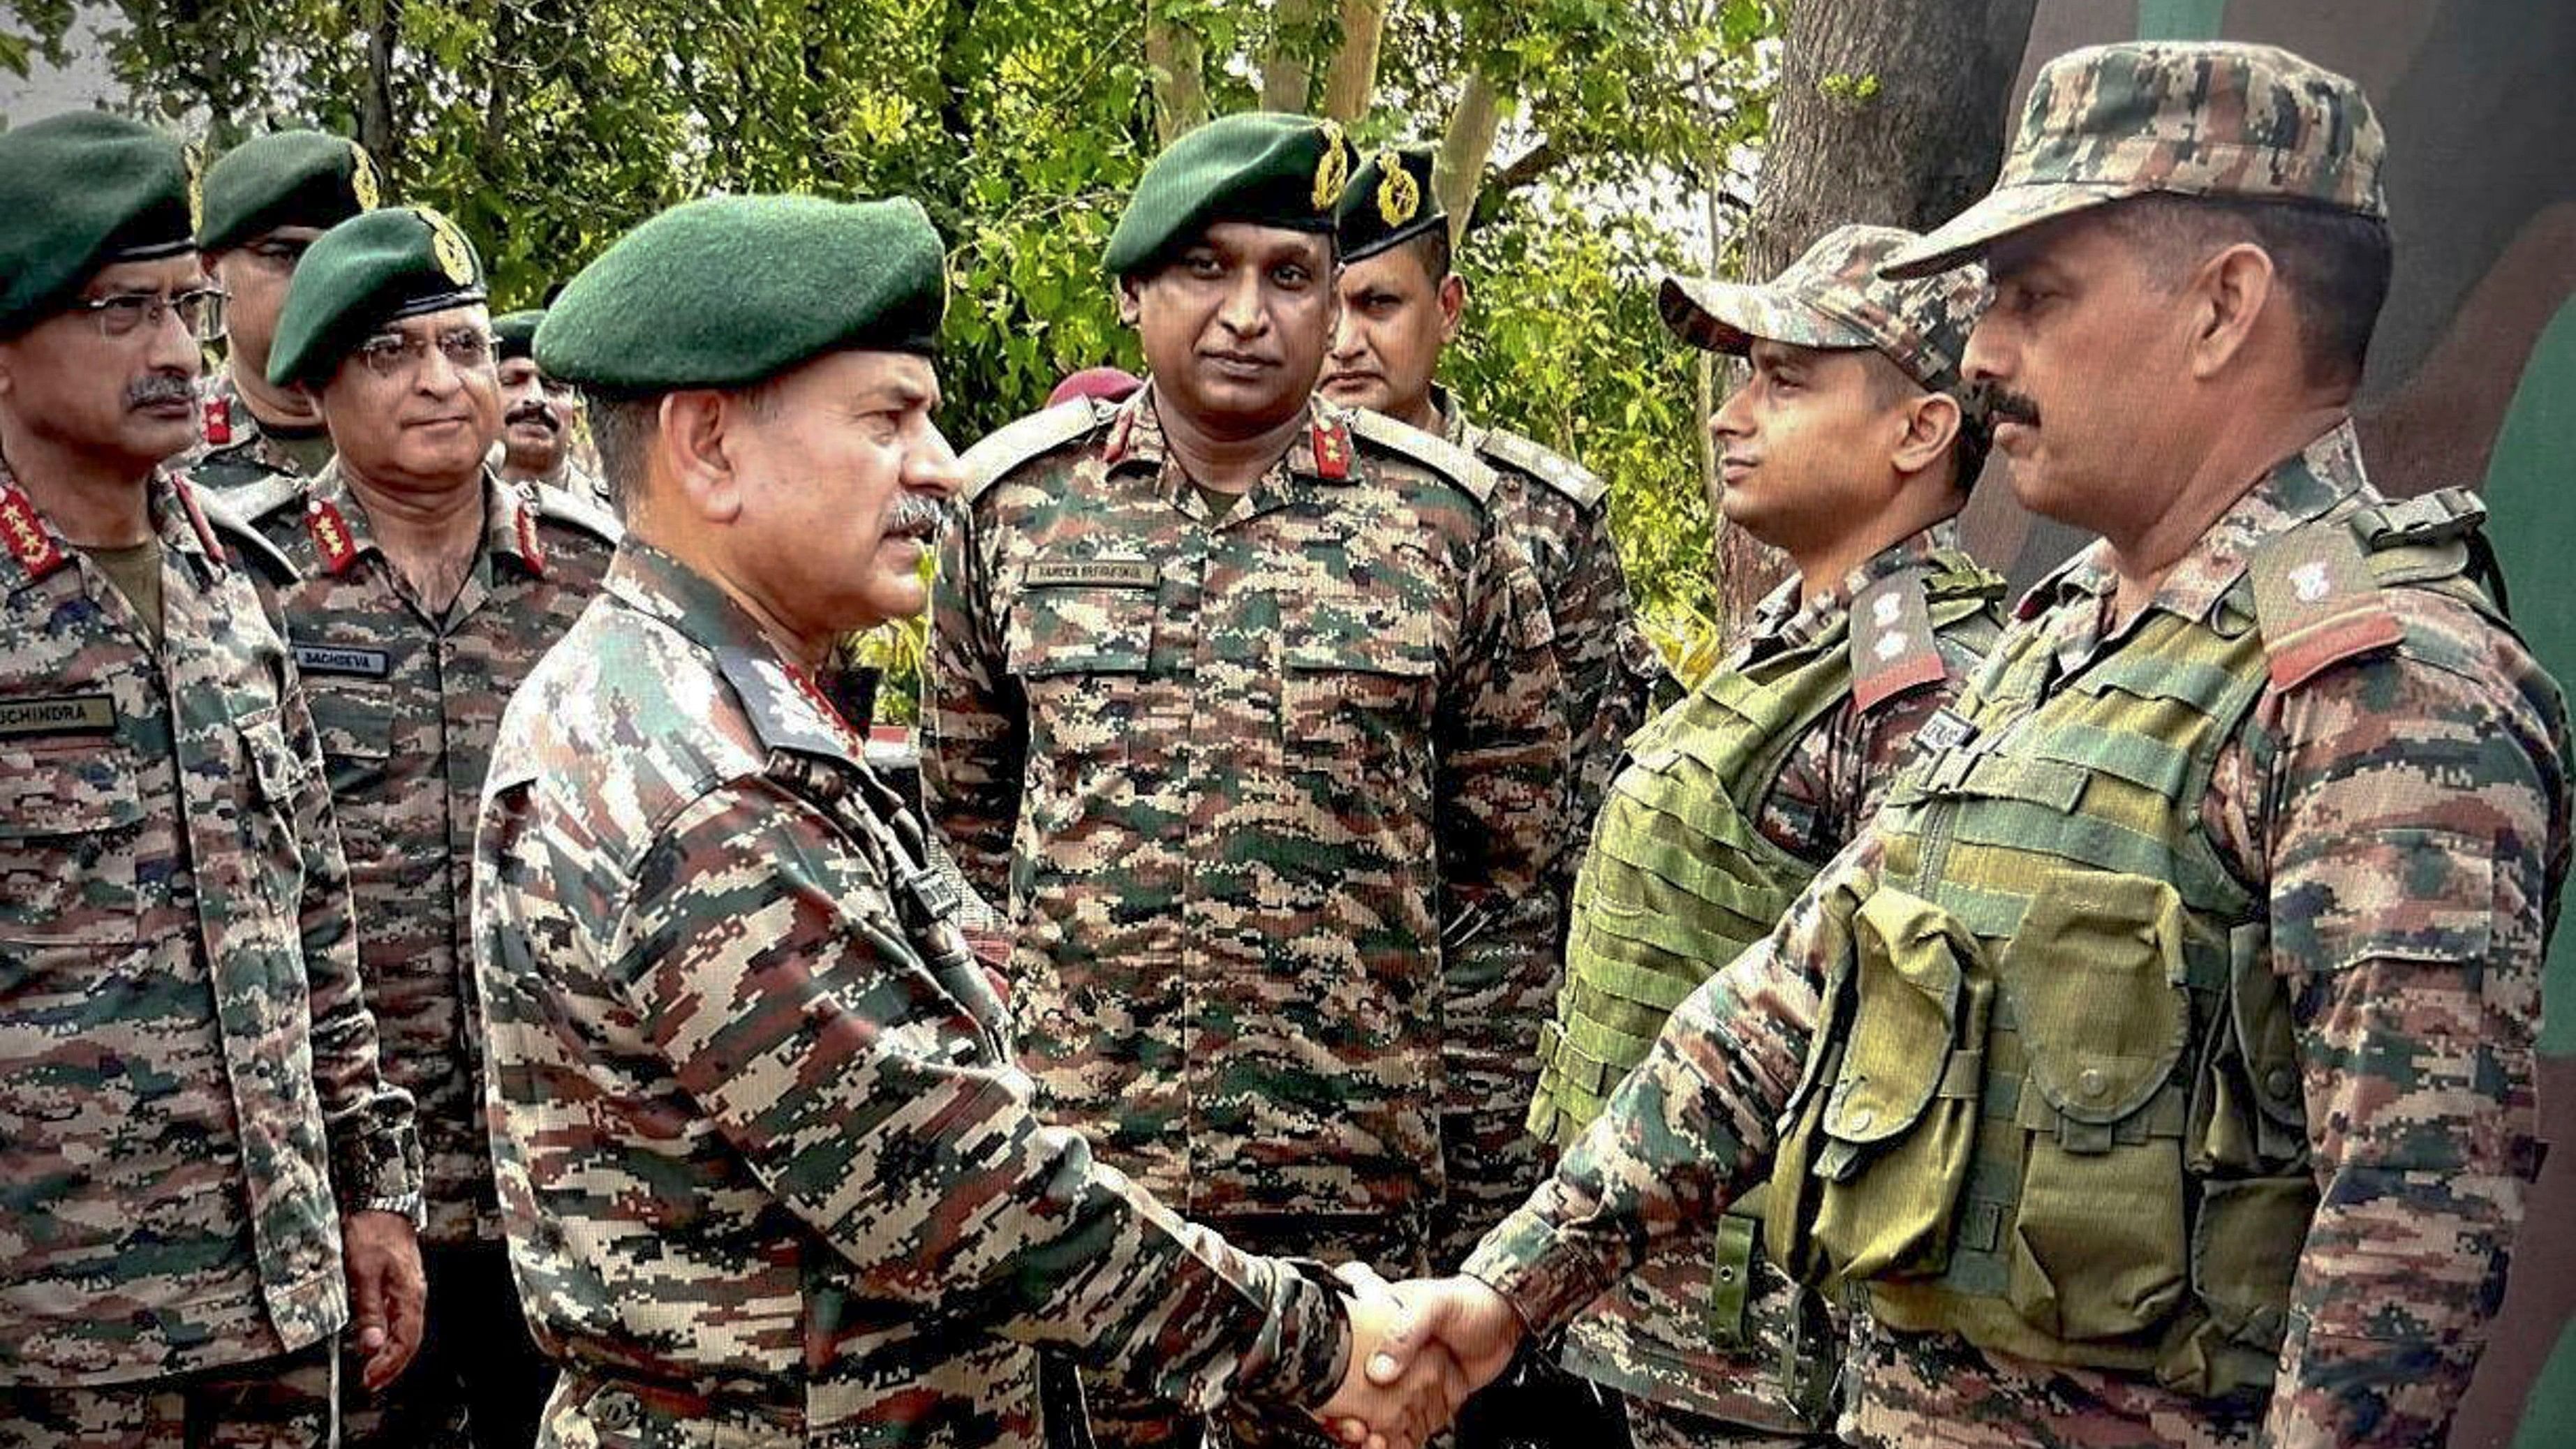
[1546, 1277]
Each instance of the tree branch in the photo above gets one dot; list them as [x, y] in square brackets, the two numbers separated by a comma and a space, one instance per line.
[1286, 79]
[1180, 86]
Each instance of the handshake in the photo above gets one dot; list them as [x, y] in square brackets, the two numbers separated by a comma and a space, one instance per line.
[1418, 1350]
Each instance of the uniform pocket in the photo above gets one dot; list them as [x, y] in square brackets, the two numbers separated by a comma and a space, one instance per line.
[2097, 985]
[1080, 654]
[1355, 721]
[70, 831]
[1899, 1123]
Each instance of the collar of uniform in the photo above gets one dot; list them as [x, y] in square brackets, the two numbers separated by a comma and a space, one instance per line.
[34, 549]
[2306, 485]
[510, 525]
[1137, 434]
[327, 495]
[1780, 622]
[781, 703]
[1454, 426]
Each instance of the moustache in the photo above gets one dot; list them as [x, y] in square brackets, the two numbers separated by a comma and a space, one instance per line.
[533, 413]
[157, 389]
[1997, 404]
[917, 516]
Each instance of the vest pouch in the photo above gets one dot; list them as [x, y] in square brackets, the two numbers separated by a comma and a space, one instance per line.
[2244, 1248]
[2249, 1112]
[2096, 982]
[1788, 1200]
[1899, 1122]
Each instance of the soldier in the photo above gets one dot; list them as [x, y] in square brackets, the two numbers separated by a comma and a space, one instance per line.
[421, 592]
[1245, 705]
[206, 1173]
[268, 200]
[1848, 448]
[2159, 1062]
[537, 415]
[1401, 307]
[769, 1175]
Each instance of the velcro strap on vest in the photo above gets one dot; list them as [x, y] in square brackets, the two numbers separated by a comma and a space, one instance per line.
[1731, 1277]
[2169, 1115]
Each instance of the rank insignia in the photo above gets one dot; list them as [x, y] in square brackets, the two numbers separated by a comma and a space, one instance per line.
[197, 520]
[529, 549]
[28, 542]
[195, 157]
[330, 533]
[1332, 440]
[219, 421]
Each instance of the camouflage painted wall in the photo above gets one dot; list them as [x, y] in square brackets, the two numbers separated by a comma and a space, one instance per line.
[2472, 380]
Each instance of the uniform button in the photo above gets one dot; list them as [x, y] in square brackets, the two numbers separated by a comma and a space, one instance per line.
[2277, 1083]
[2090, 1084]
[1861, 1117]
[1726, 1274]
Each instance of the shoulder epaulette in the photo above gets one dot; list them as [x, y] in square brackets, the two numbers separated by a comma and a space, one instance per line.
[1893, 647]
[1007, 447]
[2317, 601]
[252, 502]
[224, 514]
[559, 505]
[1579, 484]
[1438, 454]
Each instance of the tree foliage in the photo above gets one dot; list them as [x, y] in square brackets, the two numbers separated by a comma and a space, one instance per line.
[547, 128]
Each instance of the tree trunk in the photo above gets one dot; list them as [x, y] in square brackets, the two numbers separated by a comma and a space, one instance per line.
[1354, 75]
[1889, 111]
[1459, 172]
[1286, 78]
[376, 108]
[1180, 84]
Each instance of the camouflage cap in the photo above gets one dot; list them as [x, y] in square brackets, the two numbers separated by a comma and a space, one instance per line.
[1835, 297]
[2192, 118]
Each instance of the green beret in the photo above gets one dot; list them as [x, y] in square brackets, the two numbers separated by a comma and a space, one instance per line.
[729, 290]
[1389, 202]
[374, 268]
[514, 334]
[1261, 167]
[293, 178]
[78, 192]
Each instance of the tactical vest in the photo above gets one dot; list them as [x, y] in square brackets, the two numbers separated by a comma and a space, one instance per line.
[1677, 882]
[2053, 1102]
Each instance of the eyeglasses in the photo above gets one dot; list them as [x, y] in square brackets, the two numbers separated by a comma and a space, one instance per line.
[391, 355]
[200, 310]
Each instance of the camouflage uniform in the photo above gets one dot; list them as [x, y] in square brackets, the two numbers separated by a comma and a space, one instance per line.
[1710, 1340]
[406, 702]
[235, 451]
[2392, 798]
[188, 1074]
[1270, 800]
[1560, 514]
[768, 1173]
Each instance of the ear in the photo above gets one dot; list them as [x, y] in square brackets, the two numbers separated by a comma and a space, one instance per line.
[1932, 422]
[694, 452]
[1131, 302]
[1453, 306]
[2229, 294]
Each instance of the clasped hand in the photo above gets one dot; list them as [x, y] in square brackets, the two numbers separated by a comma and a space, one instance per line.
[1418, 1349]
